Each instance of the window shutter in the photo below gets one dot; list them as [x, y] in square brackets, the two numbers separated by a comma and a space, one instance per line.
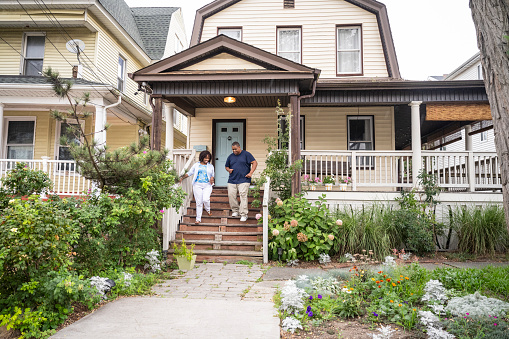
[288, 3]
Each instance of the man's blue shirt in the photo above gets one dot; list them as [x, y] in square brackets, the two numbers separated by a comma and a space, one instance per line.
[241, 165]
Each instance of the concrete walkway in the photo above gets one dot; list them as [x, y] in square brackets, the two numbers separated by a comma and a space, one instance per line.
[210, 301]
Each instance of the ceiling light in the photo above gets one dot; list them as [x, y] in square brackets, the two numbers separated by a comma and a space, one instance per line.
[230, 100]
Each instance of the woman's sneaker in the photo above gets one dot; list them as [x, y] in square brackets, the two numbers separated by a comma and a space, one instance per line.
[235, 214]
[243, 219]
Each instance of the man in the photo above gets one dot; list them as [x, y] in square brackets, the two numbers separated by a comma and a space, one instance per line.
[241, 166]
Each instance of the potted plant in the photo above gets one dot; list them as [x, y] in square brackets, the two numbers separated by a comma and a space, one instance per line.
[313, 183]
[185, 256]
[328, 181]
[343, 184]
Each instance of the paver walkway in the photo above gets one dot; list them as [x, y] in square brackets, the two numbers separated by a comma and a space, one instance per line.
[210, 301]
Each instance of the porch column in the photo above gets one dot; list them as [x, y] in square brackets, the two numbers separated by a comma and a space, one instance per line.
[100, 122]
[295, 140]
[168, 111]
[157, 121]
[468, 138]
[416, 141]
[1, 126]
[188, 141]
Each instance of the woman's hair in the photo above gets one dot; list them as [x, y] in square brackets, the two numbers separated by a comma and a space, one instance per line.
[204, 154]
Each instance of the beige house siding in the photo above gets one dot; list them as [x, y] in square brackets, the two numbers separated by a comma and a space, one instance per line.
[176, 30]
[223, 61]
[318, 19]
[120, 133]
[325, 127]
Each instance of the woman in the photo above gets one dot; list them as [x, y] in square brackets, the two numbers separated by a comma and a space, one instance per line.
[203, 179]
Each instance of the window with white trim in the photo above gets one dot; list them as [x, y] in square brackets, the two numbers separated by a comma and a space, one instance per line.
[65, 131]
[302, 129]
[361, 137]
[20, 138]
[349, 56]
[484, 136]
[289, 43]
[33, 54]
[121, 73]
[234, 33]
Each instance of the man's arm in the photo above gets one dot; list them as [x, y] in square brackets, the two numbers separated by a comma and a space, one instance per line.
[253, 168]
[230, 170]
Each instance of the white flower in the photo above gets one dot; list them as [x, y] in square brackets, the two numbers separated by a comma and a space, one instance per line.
[127, 279]
[339, 222]
[389, 261]
[12, 201]
[153, 261]
[14, 230]
[275, 232]
[290, 324]
[350, 257]
[302, 278]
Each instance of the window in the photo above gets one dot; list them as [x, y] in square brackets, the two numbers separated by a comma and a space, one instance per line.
[234, 32]
[34, 54]
[63, 152]
[20, 138]
[484, 136]
[288, 3]
[479, 72]
[302, 129]
[360, 137]
[349, 50]
[121, 74]
[289, 43]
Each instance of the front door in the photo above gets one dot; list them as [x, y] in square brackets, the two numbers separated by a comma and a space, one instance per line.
[226, 134]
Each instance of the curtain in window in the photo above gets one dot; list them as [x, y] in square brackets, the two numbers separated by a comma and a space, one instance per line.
[289, 44]
[349, 50]
[231, 33]
[20, 140]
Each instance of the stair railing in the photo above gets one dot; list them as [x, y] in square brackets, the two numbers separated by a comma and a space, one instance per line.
[265, 206]
[172, 217]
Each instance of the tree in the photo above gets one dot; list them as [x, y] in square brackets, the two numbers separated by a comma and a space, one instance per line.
[491, 19]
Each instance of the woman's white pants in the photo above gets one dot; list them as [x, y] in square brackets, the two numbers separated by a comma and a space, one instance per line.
[202, 192]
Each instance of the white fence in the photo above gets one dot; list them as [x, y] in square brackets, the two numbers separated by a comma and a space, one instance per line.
[265, 206]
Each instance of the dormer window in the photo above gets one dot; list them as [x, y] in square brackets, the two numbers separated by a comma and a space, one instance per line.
[288, 3]
[289, 43]
[232, 32]
[349, 50]
[33, 54]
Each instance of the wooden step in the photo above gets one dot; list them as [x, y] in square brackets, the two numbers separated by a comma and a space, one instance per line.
[186, 226]
[218, 219]
[223, 211]
[224, 198]
[225, 236]
[224, 245]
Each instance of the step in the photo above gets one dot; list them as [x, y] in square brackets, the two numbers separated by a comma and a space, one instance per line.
[223, 211]
[224, 245]
[218, 219]
[225, 256]
[224, 198]
[225, 236]
[220, 205]
[187, 226]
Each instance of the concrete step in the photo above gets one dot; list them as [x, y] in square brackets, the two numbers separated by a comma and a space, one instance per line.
[225, 256]
[225, 236]
[218, 219]
[223, 212]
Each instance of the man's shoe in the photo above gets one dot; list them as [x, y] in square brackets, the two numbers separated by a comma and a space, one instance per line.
[243, 219]
[235, 214]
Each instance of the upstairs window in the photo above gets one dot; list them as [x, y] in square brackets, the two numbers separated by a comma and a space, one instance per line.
[288, 3]
[33, 54]
[121, 74]
[289, 43]
[349, 52]
[231, 32]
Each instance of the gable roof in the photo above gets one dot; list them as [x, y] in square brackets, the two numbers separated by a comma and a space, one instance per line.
[222, 44]
[372, 6]
[471, 61]
[153, 25]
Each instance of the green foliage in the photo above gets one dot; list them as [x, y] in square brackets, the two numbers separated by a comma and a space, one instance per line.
[348, 305]
[183, 250]
[35, 238]
[477, 327]
[328, 180]
[22, 181]
[481, 230]
[303, 229]
[28, 322]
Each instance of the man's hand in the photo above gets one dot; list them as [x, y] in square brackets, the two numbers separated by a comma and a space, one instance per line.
[249, 175]
[230, 170]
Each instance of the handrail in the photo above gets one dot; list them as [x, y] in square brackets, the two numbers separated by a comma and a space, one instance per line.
[265, 205]
[188, 163]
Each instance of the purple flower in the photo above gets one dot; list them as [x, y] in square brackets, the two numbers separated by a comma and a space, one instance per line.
[319, 296]
[495, 317]
[310, 297]
[144, 152]
[308, 309]
[467, 314]
[495, 324]
[376, 315]
[310, 314]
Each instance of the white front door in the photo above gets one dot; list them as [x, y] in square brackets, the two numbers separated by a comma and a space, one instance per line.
[226, 134]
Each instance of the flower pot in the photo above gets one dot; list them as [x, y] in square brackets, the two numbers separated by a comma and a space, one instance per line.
[184, 264]
[312, 187]
[343, 187]
[328, 187]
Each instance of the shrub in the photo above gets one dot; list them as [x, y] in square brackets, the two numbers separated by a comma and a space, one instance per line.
[415, 229]
[301, 229]
[481, 230]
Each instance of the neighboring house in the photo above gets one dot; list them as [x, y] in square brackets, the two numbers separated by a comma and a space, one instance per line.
[112, 39]
[480, 133]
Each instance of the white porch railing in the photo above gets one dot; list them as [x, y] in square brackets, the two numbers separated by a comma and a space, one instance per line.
[265, 206]
[182, 160]
[393, 169]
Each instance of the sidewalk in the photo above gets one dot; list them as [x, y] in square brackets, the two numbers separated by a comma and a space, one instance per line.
[210, 301]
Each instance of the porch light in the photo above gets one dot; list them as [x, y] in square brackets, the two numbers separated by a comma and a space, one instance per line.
[230, 100]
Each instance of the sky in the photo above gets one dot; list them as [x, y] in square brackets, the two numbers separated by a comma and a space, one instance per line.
[432, 37]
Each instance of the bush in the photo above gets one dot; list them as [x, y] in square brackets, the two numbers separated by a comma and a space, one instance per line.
[416, 230]
[481, 230]
[301, 229]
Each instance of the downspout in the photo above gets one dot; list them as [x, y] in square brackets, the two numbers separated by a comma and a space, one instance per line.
[313, 91]
[115, 104]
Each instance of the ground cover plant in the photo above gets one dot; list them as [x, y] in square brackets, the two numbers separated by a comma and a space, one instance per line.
[402, 297]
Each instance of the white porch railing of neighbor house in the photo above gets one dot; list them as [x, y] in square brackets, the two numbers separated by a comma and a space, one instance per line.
[265, 216]
[393, 169]
[182, 161]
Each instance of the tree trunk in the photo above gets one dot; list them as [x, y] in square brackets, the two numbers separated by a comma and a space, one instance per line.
[492, 25]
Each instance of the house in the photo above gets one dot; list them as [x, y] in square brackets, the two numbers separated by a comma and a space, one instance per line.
[477, 136]
[94, 43]
[333, 65]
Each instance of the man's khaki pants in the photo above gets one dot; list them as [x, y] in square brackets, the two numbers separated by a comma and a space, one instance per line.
[243, 189]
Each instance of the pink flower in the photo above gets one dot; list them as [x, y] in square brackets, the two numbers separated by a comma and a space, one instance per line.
[317, 179]
[162, 211]
[495, 324]
[275, 233]
[467, 314]
[294, 223]
[331, 237]
[339, 222]
[279, 202]
[258, 216]
[306, 177]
